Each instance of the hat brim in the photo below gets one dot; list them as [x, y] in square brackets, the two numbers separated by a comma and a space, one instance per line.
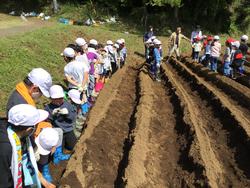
[41, 150]
[43, 115]
[77, 101]
[44, 91]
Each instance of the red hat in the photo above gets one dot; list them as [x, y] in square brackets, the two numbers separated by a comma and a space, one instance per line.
[230, 40]
[209, 38]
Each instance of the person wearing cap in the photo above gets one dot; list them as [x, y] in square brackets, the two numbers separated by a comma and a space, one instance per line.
[197, 48]
[36, 84]
[74, 98]
[46, 143]
[155, 66]
[82, 43]
[196, 33]
[93, 57]
[106, 64]
[110, 47]
[116, 65]
[18, 167]
[62, 115]
[243, 45]
[226, 60]
[215, 53]
[236, 59]
[175, 42]
[208, 51]
[123, 53]
[76, 72]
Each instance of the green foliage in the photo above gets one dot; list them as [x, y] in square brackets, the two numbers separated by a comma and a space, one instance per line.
[172, 3]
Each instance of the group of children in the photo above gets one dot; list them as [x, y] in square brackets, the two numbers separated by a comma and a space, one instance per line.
[36, 137]
[153, 55]
[233, 58]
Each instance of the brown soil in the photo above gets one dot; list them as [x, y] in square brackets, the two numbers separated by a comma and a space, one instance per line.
[190, 130]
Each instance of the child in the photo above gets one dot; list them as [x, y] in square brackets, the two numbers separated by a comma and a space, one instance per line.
[74, 98]
[227, 57]
[123, 53]
[62, 114]
[215, 53]
[208, 51]
[197, 48]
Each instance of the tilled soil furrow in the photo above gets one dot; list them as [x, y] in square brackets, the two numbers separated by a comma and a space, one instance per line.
[237, 91]
[216, 126]
[100, 149]
[237, 103]
[158, 156]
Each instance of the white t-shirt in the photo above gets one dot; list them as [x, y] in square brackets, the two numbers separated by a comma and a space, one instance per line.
[197, 46]
[227, 55]
[83, 59]
[75, 70]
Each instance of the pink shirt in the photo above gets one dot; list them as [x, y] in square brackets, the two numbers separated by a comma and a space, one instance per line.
[215, 49]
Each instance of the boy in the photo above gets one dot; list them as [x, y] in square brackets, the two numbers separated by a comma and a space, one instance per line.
[62, 114]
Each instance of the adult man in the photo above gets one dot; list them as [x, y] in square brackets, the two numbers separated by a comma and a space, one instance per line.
[18, 166]
[146, 36]
[175, 42]
[36, 84]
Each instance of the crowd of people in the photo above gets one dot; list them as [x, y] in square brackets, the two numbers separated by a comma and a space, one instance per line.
[205, 49]
[31, 138]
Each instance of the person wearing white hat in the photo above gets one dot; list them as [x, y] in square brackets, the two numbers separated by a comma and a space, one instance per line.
[74, 97]
[146, 37]
[215, 53]
[62, 114]
[46, 143]
[36, 84]
[237, 59]
[123, 53]
[82, 43]
[243, 45]
[155, 66]
[17, 159]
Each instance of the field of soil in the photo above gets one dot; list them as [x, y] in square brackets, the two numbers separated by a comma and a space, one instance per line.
[190, 130]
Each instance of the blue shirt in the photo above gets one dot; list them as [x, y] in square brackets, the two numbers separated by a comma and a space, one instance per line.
[157, 55]
[148, 35]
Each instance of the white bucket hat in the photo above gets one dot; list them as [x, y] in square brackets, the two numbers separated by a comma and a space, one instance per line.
[80, 42]
[68, 52]
[122, 40]
[42, 79]
[93, 41]
[216, 37]
[56, 92]
[119, 41]
[75, 96]
[46, 140]
[236, 44]
[109, 42]
[244, 37]
[26, 115]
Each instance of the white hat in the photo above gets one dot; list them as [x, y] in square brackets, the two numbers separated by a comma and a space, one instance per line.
[93, 41]
[42, 79]
[216, 37]
[122, 40]
[68, 52]
[244, 37]
[56, 92]
[26, 115]
[119, 41]
[109, 42]
[153, 38]
[75, 96]
[47, 139]
[157, 42]
[148, 41]
[80, 42]
[236, 44]
[116, 46]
